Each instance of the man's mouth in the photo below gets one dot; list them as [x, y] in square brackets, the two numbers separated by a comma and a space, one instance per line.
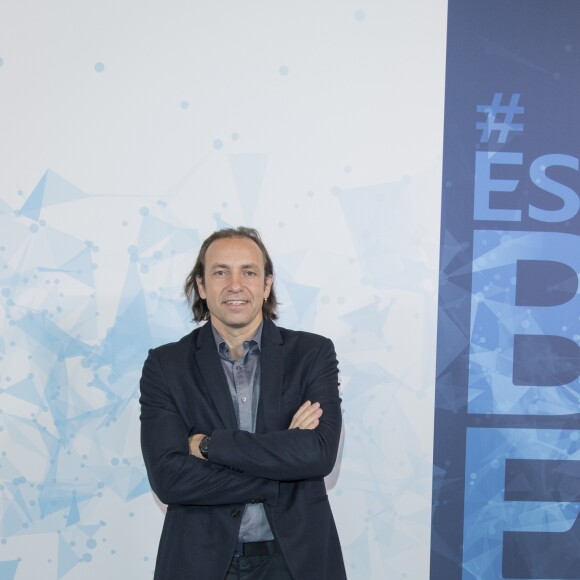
[236, 302]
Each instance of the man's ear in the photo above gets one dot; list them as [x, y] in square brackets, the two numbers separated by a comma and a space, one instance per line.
[200, 287]
[269, 280]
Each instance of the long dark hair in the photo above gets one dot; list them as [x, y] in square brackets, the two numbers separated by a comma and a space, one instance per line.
[198, 304]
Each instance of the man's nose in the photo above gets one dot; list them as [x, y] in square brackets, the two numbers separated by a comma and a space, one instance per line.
[235, 282]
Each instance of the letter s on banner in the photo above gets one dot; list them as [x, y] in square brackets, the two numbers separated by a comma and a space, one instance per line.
[570, 199]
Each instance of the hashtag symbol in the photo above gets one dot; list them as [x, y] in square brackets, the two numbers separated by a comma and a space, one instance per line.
[500, 118]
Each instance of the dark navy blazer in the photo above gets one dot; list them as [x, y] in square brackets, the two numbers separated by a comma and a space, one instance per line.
[184, 391]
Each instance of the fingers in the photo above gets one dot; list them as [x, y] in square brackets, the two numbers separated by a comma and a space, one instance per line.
[303, 411]
[307, 416]
[300, 414]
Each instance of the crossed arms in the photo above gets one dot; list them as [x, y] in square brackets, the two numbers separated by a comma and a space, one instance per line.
[241, 466]
[307, 417]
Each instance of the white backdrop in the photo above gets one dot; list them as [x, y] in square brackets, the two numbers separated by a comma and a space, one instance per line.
[130, 130]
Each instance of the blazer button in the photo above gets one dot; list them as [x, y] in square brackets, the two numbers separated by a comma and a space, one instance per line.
[236, 512]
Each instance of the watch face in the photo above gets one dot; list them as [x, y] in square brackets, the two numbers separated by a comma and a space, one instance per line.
[204, 446]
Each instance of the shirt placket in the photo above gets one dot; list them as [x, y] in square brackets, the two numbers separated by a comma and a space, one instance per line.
[244, 395]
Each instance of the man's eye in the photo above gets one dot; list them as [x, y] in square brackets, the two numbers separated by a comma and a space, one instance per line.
[219, 273]
[250, 273]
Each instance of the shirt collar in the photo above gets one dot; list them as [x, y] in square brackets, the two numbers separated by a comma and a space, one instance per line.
[223, 347]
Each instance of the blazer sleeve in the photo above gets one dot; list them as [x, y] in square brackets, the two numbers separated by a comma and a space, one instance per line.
[290, 454]
[176, 476]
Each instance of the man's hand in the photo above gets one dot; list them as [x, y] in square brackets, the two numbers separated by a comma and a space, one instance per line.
[307, 416]
[194, 442]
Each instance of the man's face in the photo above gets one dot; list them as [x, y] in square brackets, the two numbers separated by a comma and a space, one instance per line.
[234, 284]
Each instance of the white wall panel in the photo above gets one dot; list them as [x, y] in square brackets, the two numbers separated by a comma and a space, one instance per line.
[129, 132]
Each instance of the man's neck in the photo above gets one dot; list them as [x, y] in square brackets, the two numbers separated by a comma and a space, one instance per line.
[235, 337]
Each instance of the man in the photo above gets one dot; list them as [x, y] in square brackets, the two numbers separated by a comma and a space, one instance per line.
[240, 422]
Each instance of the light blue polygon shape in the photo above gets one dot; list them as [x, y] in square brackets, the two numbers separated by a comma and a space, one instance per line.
[79, 266]
[136, 484]
[53, 497]
[5, 208]
[25, 390]
[363, 378]
[89, 530]
[38, 327]
[12, 519]
[357, 553]
[86, 322]
[172, 318]
[248, 170]
[52, 189]
[153, 230]
[21, 432]
[67, 559]
[303, 297]
[33, 205]
[18, 493]
[141, 488]
[126, 481]
[76, 418]
[51, 443]
[132, 288]
[182, 240]
[368, 319]
[290, 263]
[73, 515]
[221, 224]
[131, 332]
[370, 212]
[8, 569]
[171, 242]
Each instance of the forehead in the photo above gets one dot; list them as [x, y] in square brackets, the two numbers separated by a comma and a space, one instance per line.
[233, 251]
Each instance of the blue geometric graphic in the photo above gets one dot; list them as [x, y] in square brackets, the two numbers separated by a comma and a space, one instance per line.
[76, 388]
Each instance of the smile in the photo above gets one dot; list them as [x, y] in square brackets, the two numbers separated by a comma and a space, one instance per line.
[236, 302]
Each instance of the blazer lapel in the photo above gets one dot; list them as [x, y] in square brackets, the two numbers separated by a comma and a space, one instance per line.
[216, 384]
[270, 379]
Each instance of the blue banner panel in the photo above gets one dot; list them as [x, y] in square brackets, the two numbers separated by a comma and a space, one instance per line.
[506, 480]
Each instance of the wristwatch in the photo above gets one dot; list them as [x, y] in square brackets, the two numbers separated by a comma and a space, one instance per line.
[204, 446]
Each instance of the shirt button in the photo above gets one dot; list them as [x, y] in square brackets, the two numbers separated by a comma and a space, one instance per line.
[244, 399]
[238, 368]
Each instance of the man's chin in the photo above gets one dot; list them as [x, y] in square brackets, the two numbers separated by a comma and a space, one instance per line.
[237, 323]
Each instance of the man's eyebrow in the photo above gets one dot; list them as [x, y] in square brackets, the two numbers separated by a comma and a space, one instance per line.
[226, 267]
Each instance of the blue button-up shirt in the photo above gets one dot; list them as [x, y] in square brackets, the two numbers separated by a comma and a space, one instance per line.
[243, 376]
